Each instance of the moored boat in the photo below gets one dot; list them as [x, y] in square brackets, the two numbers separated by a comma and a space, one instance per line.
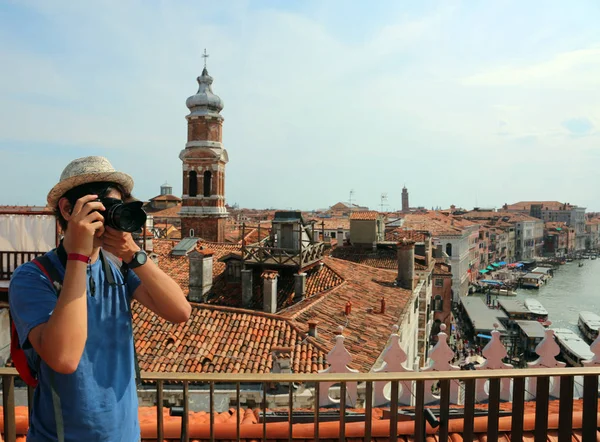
[588, 324]
[537, 309]
[572, 348]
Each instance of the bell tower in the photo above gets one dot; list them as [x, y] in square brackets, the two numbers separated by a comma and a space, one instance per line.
[203, 212]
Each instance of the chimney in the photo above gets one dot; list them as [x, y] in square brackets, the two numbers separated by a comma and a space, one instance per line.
[246, 287]
[269, 278]
[340, 237]
[201, 274]
[282, 359]
[312, 328]
[382, 303]
[406, 264]
[299, 286]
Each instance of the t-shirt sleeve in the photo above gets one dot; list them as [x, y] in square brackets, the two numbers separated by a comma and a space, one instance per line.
[32, 299]
[133, 282]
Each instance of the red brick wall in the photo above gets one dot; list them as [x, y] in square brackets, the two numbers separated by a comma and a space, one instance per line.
[203, 129]
[209, 229]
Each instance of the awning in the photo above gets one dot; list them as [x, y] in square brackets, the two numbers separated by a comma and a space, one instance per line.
[519, 264]
[484, 271]
[481, 335]
[496, 264]
[502, 263]
[490, 268]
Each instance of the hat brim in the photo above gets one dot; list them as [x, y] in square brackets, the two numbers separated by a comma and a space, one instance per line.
[64, 186]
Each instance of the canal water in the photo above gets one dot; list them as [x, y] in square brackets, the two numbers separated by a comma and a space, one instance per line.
[572, 289]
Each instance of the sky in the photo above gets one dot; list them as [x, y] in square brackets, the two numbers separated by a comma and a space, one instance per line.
[472, 103]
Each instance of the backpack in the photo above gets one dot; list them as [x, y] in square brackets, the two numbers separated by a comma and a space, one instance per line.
[17, 353]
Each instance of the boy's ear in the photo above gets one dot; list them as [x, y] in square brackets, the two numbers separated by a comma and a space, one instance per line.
[65, 208]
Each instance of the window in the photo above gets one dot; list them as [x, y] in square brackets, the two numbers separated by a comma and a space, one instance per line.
[207, 182]
[449, 249]
[332, 235]
[193, 184]
[191, 233]
[439, 282]
[416, 305]
[438, 304]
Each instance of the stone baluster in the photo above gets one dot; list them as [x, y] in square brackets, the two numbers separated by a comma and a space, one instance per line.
[494, 352]
[393, 360]
[547, 350]
[441, 357]
[338, 359]
[594, 362]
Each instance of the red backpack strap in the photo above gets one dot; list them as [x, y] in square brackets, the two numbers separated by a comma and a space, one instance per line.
[16, 351]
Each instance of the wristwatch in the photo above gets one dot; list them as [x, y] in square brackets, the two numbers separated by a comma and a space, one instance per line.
[139, 259]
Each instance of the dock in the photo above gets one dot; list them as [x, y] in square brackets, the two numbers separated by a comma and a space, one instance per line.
[481, 319]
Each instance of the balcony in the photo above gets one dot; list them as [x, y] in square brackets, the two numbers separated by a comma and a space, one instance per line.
[391, 403]
[365, 421]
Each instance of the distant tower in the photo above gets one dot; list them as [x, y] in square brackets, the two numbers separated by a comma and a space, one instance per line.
[166, 189]
[203, 213]
[405, 206]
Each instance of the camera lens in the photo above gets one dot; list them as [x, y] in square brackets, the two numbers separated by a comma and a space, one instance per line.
[128, 217]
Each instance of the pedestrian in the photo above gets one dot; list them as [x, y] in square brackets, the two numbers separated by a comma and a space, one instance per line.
[77, 334]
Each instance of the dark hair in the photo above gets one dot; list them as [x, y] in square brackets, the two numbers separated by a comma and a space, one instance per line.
[100, 188]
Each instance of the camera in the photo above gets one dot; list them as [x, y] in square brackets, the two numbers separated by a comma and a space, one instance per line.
[126, 217]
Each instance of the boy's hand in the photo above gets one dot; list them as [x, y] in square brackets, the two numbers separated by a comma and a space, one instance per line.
[120, 244]
[85, 222]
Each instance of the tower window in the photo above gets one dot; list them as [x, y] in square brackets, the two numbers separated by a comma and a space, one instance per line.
[207, 182]
[193, 187]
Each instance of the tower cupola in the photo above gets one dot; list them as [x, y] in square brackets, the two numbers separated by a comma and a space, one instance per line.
[204, 102]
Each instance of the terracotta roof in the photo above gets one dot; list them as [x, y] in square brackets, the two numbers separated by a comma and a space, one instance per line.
[370, 215]
[364, 287]
[171, 212]
[331, 223]
[251, 427]
[398, 233]
[436, 225]
[382, 258]
[177, 267]
[220, 339]
[165, 198]
[555, 225]
[318, 280]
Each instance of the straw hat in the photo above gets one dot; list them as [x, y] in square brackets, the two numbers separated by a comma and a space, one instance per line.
[87, 170]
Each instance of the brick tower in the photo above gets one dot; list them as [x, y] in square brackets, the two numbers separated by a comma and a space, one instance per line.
[203, 213]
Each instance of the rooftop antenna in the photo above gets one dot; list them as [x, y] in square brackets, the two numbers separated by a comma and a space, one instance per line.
[351, 195]
[205, 56]
[384, 200]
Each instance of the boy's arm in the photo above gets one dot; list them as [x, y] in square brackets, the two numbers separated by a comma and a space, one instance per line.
[61, 340]
[157, 290]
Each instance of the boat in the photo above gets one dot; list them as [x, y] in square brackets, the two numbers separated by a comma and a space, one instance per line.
[532, 281]
[572, 348]
[589, 323]
[580, 264]
[593, 257]
[536, 308]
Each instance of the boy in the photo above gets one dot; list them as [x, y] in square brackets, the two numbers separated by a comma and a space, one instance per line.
[80, 344]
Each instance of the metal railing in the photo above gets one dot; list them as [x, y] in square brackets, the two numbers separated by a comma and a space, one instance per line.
[9, 261]
[388, 428]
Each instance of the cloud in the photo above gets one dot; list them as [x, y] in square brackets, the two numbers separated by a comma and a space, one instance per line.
[574, 69]
[579, 127]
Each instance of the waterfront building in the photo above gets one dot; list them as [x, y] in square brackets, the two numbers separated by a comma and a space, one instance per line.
[555, 211]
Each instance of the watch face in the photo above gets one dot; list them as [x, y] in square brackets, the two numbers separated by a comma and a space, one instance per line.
[141, 258]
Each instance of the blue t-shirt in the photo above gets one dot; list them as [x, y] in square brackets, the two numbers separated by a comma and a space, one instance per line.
[99, 400]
